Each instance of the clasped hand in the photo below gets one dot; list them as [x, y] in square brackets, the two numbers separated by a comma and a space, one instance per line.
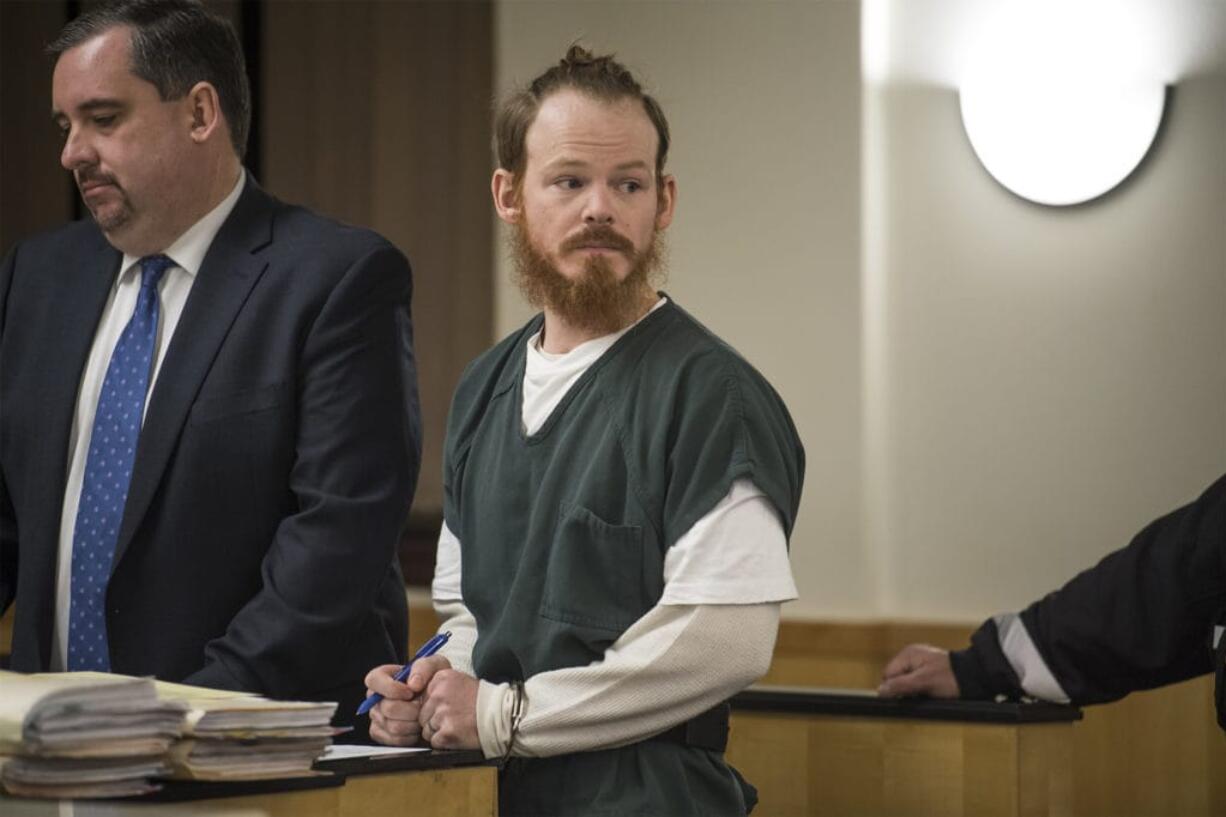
[435, 703]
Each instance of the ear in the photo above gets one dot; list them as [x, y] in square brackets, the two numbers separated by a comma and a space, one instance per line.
[204, 107]
[666, 202]
[506, 198]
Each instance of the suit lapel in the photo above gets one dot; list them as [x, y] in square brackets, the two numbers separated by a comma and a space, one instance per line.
[231, 268]
[66, 343]
[69, 341]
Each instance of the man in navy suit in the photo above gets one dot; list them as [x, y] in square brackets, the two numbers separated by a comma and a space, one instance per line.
[209, 429]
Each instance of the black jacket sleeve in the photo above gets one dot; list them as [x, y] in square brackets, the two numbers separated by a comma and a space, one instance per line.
[1140, 618]
[8, 518]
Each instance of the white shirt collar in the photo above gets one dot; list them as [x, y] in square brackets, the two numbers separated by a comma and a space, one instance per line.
[189, 249]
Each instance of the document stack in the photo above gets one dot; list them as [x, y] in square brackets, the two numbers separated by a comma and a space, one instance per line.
[239, 736]
[83, 734]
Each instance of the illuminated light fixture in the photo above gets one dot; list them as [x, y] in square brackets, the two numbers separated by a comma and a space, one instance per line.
[1057, 105]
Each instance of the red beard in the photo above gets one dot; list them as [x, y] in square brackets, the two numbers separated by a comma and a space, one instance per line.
[596, 301]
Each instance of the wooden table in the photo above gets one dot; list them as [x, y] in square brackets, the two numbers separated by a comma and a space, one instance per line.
[438, 784]
[841, 752]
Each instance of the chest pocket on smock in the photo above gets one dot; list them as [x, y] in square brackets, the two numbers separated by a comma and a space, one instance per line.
[594, 574]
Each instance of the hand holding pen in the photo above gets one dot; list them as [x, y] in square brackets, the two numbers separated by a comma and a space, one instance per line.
[429, 648]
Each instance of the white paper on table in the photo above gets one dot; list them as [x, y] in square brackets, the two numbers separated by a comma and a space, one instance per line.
[348, 750]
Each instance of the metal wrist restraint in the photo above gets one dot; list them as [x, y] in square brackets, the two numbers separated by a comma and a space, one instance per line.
[517, 716]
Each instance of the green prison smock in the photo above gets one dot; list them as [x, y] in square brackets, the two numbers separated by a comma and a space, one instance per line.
[563, 533]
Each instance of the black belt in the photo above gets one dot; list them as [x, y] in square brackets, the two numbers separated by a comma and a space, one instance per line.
[706, 731]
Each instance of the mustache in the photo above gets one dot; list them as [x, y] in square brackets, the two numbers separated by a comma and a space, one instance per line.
[92, 175]
[599, 236]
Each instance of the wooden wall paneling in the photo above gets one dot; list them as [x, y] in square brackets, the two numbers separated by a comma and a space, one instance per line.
[6, 635]
[1153, 754]
[850, 653]
[406, 193]
[423, 624]
[431, 192]
[1044, 753]
[37, 193]
[378, 114]
[864, 767]
[471, 310]
[773, 753]
[1215, 750]
[466, 792]
[317, 106]
[922, 771]
[988, 767]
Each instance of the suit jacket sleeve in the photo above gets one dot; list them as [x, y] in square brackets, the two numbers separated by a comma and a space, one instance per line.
[1139, 619]
[8, 518]
[357, 456]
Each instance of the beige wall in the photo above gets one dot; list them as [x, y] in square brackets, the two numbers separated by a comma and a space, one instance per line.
[1055, 378]
[1043, 382]
[992, 394]
[763, 102]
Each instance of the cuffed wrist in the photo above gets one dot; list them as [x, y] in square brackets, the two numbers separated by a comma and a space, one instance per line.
[495, 703]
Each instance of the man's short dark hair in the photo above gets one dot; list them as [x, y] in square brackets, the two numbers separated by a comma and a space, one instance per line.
[602, 78]
[175, 44]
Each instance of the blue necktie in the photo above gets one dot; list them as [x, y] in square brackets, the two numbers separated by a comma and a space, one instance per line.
[108, 470]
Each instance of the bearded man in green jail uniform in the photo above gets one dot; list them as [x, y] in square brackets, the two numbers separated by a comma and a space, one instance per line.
[620, 488]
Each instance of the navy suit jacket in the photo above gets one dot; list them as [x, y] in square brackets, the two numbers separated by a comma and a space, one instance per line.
[274, 470]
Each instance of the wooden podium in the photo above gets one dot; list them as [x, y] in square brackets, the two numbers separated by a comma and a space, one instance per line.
[840, 752]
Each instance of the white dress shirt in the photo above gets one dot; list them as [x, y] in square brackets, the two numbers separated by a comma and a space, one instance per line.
[188, 253]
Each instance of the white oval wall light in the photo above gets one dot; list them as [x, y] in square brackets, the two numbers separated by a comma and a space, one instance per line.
[1055, 105]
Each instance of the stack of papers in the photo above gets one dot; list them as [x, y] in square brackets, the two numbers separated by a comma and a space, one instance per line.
[91, 734]
[239, 736]
[83, 734]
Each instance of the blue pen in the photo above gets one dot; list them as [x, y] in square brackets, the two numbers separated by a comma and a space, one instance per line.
[429, 648]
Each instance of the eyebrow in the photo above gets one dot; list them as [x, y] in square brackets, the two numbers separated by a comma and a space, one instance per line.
[637, 164]
[567, 164]
[97, 103]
